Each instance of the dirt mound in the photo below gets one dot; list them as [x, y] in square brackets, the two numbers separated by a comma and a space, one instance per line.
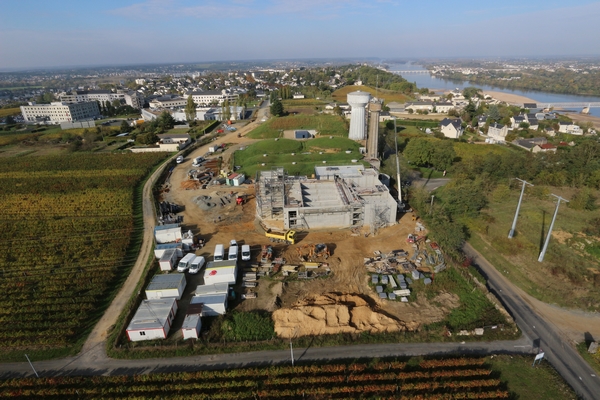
[333, 313]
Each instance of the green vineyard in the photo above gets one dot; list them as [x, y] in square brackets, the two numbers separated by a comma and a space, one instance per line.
[66, 227]
[458, 378]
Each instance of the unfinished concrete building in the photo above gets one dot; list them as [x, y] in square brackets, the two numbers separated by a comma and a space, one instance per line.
[337, 197]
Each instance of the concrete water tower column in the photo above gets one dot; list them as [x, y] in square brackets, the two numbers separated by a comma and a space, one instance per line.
[358, 119]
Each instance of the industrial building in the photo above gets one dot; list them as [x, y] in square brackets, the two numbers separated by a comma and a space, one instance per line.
[337, 197]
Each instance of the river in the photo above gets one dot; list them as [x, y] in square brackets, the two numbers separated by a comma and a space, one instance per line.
[437, 84]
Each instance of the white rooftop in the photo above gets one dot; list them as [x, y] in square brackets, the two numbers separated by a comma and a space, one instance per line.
[217, 288]
[166, 281]
[151, 314]
[342, 171]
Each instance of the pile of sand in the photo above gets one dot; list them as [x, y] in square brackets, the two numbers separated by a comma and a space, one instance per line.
[333, 313]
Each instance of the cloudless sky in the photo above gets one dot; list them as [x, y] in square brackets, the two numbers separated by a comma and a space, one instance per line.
[40, 33]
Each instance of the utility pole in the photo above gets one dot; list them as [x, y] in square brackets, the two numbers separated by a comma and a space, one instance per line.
[511, 233]
[31, 365]
[431, 206]
[543, 253]
[292, 352]
[397, 165]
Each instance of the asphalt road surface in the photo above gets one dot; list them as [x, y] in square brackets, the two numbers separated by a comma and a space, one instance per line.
[545, 337]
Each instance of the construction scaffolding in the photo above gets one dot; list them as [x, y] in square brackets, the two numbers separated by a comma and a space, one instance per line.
[344, 198]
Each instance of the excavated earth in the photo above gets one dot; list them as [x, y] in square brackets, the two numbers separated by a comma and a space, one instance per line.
[333, 313]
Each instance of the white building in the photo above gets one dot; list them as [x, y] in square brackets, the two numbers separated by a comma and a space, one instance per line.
[451, 128]
[212, 97]
[58, 112]
[220, 272]
[169, 101]
[152, 320]
[192, 324]
[166, 286]
[169, 233]
[498, 132]
[567, 127]
[174, 142]
[213, 298]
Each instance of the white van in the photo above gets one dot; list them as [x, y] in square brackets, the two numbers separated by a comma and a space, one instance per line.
[246, 252]
[219, 253]
[233, 253]
[196, 265]
[185, 262]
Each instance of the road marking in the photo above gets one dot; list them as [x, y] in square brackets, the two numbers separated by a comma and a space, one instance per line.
[593, 375]
[533, 326]
[580, 379]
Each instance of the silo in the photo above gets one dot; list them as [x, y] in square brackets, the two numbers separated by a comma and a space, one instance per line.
[358, 122]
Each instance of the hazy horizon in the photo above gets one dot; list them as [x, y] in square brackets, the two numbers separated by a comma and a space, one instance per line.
[39, 34]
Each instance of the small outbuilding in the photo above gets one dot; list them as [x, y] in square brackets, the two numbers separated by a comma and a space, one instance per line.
[192, 324]
[168, 260]
[152, 320]
[236, 179]
[167, 233]
[166, 286]
[160, 249]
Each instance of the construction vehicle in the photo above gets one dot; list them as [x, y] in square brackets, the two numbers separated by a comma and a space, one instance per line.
[281, 236]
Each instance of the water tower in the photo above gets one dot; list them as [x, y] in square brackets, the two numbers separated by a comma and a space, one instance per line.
[358, 122]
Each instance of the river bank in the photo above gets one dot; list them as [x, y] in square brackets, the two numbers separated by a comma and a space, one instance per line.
[516, 99]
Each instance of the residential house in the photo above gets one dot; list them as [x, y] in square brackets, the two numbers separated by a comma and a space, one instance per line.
[174, 142]
[451, 128]
[569, 127]
[498, 132]
[544, 148]
[516, 121]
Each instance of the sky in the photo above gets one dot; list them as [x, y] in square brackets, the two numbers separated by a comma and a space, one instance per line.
[47, 33]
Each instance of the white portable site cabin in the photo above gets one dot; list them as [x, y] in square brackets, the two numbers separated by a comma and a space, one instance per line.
[192, 324]
[166, 286]
[220, 272]
[160, 249]
[152, 320]
[213, 299]
[185, 262]
[168, 260]
[167, 233]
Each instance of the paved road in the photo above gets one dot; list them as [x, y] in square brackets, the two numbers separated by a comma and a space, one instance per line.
[558, 350]
[430, 184]
[79, 366]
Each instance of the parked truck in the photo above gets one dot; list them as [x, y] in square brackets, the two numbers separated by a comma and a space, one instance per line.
[281, 236]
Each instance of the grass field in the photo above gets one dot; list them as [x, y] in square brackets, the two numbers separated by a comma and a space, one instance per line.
[467, 150]
[567, 276]
[4, 112]
[326, 125]
[341, 95]
[307, 155]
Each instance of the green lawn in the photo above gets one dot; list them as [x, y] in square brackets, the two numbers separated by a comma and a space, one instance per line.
[525, 382]
[306, 155]
[325, 124]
